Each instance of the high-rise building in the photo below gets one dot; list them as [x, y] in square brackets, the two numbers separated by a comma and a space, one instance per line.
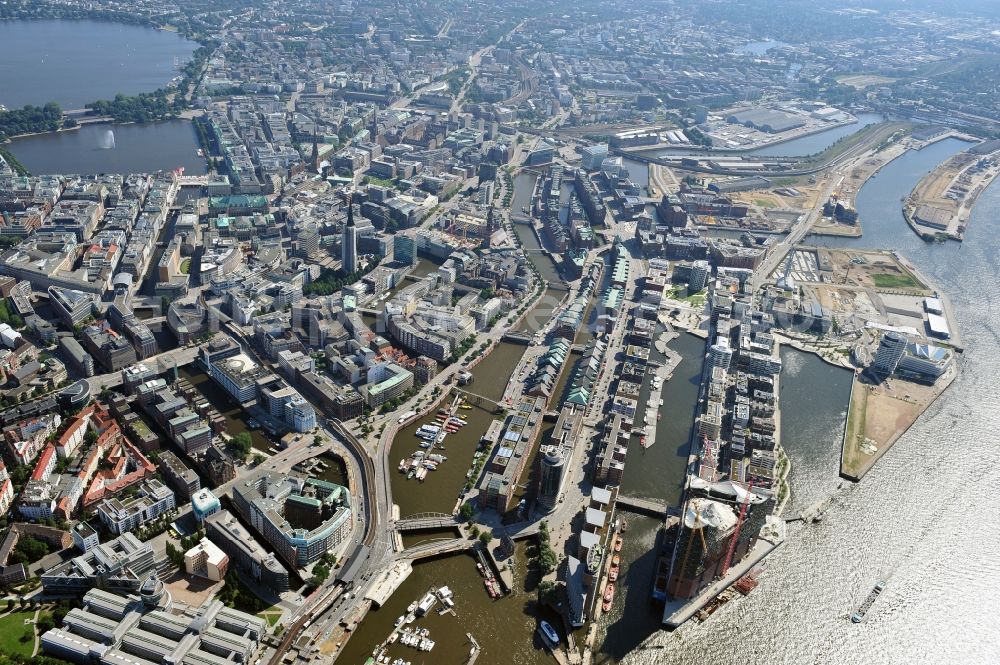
[705, 534]
[349, 243]
[890, 350]
[553, 474]
[700, 271]
[720, 354]
[404, 249]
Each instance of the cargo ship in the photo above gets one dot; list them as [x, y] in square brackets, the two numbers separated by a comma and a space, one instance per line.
[859, 615]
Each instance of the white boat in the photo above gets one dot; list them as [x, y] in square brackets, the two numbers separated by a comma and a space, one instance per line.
[426, 603]
[412, 606]
[444, 593]
[550, 632]
[434, 457]
[400, 620]
[425, 444]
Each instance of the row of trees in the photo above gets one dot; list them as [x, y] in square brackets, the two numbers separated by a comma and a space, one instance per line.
[144, 107]
[547, 559]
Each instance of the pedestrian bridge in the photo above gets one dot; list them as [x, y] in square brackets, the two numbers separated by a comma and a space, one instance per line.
[422, 521]
[478, 400]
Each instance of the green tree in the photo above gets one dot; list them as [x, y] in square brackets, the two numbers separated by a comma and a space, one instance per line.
[242, 443]
[467, 510]
[486, 538]
[45, 623]
[29, 550]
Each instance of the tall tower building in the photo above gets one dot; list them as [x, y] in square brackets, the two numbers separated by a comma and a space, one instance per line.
[552, 477]
[890, 350]
[349, 242]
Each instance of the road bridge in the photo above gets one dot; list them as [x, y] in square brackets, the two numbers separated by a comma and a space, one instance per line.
[434, 548]
[653, 508]
[422, 521]
[517, 337]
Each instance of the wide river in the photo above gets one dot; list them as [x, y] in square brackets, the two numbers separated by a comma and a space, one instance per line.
[77, 62]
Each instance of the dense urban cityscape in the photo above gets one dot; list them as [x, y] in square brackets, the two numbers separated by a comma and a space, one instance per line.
[407, 332]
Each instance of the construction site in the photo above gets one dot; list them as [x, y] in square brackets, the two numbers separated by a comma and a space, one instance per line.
[939, 206]
[830, 300]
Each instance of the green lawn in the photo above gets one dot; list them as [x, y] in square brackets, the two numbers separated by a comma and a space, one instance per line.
[12, 628]
[270, 616]
[884, 280]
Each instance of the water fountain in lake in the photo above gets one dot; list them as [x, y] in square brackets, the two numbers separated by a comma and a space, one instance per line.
[108, 140]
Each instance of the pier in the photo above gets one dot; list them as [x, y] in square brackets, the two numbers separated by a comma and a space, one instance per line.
[663, 373]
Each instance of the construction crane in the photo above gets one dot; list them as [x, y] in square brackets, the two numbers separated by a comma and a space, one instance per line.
[736, 532]
[701, 532]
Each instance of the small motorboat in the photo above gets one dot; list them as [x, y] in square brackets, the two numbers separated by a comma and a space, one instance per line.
[550, 632]
[618, 544]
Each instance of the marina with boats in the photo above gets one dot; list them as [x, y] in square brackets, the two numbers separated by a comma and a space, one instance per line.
[406, 633]
[432, 438]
